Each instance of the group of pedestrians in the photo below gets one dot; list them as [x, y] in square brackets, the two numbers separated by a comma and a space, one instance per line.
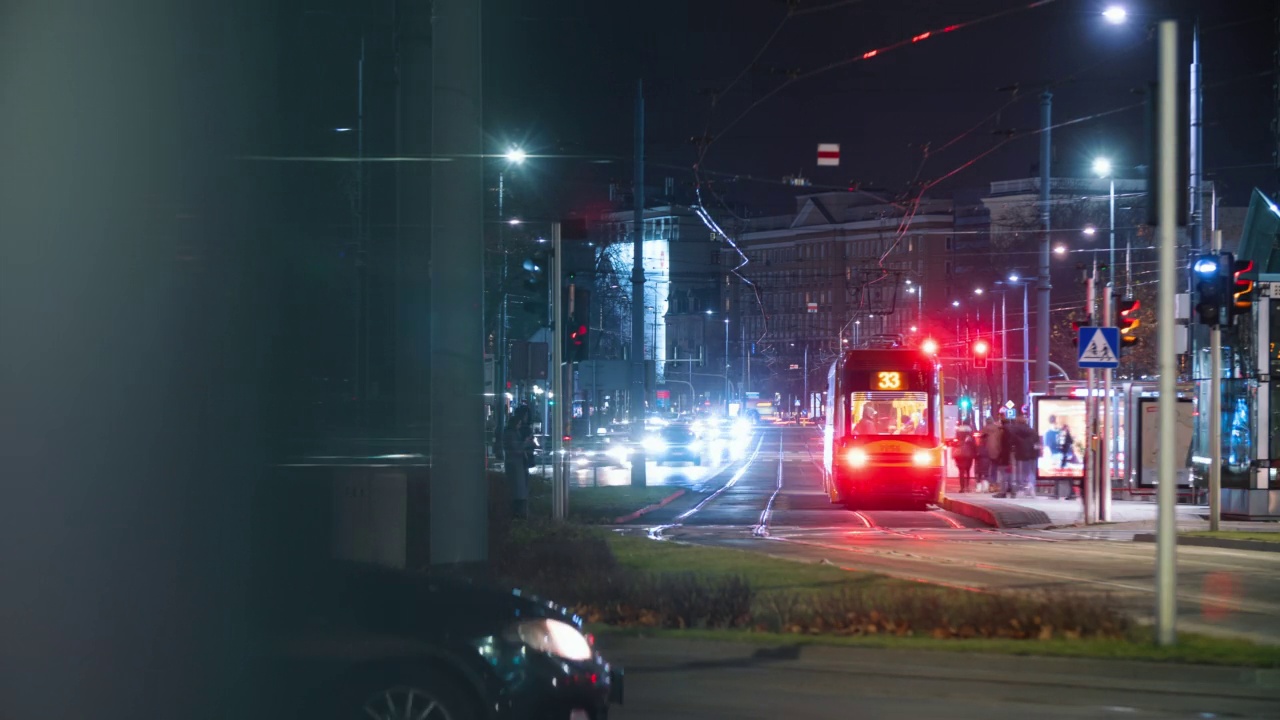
[1007, 456]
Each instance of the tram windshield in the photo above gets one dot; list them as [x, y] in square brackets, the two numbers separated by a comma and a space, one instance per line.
[890, 413]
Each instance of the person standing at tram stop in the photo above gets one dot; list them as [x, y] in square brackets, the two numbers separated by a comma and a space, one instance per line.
[996, 445]
[966, 449]
[517, 446]
[1026, 449]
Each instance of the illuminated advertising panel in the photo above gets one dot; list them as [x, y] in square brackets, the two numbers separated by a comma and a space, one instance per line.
[1060, 422]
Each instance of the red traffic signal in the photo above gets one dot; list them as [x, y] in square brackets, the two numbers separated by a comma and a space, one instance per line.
[929, 346]
[980, 350]
[1127, 320]
[1242, 292]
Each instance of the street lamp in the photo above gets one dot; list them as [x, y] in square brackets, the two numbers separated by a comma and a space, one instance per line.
[514, 156]
[1089, 230]
[1060, 250]
[1115, 14]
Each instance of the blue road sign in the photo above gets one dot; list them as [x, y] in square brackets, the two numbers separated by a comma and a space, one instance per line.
[1099, 347]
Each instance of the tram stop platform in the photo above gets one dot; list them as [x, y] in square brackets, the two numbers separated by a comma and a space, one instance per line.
[1046, 511]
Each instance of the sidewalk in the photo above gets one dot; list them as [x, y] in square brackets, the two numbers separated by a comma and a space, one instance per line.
[1129, 515]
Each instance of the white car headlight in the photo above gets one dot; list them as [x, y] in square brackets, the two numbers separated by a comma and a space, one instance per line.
[618, 453]
[553, 637]
[695, 446]
[654, 445]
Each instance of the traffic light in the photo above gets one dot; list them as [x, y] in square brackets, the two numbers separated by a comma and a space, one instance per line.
[577, 323]
[929, 346]
[980, 350]
[1127, 320]
[1208, 274]
[1075, 328]
[1241, 289]
[964, 403]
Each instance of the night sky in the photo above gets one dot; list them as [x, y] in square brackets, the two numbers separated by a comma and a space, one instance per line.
[560, 78]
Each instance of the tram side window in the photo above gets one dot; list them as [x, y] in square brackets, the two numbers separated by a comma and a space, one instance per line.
[881, 413]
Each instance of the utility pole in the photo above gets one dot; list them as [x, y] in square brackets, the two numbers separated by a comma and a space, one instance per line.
[1167, 236]
[1104, 465]
[637, 300]
[1043, 284]
[1091, 408]
[559, 478]
[1195, 224]
[1215, 413]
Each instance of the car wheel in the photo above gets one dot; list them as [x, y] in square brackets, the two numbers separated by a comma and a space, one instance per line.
[405, 693]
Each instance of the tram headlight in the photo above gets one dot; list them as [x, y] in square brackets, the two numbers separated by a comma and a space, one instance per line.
[857, 457]
[922, 458]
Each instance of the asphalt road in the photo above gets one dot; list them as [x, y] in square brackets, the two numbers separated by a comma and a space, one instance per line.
[772, 502]
[675, 680]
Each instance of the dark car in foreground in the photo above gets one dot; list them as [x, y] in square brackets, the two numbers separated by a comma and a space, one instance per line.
[370, 643]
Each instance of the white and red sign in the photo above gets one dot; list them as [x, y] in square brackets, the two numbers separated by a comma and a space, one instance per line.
[813, 308]
[828, 153]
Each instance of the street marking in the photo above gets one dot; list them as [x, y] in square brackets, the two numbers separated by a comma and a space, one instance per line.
[656, 532]
[762, 530]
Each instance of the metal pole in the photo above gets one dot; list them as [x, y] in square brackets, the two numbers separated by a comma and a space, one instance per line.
[459, 492]
[559, 506]
[1089, 483]
[726, 367]
[500, 339]
[637, 300]
[1195, 224]
[1004, 342]
[1215, 415]
[1043, 285]
[1104, 466]
[1167, 137]
[1026, 344]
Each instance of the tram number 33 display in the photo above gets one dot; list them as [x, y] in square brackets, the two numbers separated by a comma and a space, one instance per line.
[889, 381]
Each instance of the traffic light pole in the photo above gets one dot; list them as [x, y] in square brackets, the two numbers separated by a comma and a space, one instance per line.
[1104, 480]
[1215, 413]
[1089, 481]
[559, 478]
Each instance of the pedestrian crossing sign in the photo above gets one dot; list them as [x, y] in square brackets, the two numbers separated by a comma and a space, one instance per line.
[1099, 347]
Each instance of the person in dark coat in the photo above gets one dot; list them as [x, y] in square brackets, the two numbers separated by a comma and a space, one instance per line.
[966, 452]
[517, 447]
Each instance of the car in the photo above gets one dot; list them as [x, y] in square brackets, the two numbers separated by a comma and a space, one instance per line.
[368, 642]
[675, 443]
[600, 451]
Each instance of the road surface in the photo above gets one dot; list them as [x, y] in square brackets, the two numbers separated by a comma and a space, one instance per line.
[772, 502]
[683, 680]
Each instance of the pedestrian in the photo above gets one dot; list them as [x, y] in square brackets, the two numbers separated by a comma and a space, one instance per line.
[997, 451]
[518, 450]
[1026, 449]
[1067, 448]
[966, 452]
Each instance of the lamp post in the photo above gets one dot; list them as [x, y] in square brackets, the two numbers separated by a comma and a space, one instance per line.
[513, 156]
[1102, 166]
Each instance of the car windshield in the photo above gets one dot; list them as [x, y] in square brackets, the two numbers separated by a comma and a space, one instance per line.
[677, 434]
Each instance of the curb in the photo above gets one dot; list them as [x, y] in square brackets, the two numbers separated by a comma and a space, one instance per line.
[1257, 545]
[997, 517]
[644, 510]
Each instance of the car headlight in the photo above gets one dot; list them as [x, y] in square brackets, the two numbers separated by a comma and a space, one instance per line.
[857, 457]
[583, 461]
[553, 637]
[654, 445]
[695, 446]
[618, 453]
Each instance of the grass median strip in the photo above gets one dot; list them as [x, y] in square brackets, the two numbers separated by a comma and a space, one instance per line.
[1266, 537]
[598, 505]
[631, 584]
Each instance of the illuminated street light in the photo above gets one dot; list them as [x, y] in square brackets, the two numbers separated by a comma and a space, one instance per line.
[1090, 230]
[513, 221]
[1013, 277]
[1060, 250]
[977, 291]
[1102, 167]
[515, 155]
[955, 303]
[1115, 14]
